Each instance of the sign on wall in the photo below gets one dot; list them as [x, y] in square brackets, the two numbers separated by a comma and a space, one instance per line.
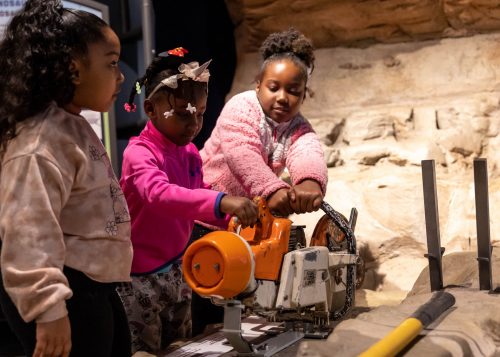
[8, 8]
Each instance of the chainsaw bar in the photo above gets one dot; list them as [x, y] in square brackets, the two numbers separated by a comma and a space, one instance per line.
[351, 248]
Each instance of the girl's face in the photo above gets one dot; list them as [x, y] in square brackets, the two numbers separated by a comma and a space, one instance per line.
[177, 119]
[281, 90]
[97, 76]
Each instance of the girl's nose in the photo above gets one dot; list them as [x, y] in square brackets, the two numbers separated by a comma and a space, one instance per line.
[194, 121]
[282, 97]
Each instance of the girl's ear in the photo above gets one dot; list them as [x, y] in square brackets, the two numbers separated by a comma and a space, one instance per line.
[257, 86]
[308, 92]
[149, 109]
[74, 68]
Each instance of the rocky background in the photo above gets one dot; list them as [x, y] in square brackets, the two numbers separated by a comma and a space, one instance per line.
[396, 82]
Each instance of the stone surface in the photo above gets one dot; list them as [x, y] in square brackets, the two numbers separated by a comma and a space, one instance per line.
[360, 23]
[470, 328]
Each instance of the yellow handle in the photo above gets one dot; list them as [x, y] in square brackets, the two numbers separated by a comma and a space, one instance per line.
[396, 340]
[402, 335]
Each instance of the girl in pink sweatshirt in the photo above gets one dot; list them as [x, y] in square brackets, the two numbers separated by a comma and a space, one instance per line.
[163, 184]
[261, 132]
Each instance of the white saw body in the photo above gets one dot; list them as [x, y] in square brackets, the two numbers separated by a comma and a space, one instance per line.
[267, 270]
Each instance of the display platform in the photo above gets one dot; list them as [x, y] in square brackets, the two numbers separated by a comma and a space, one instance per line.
[213, 343]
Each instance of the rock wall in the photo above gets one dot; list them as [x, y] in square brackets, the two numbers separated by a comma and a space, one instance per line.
[381, 109]
[331, 23]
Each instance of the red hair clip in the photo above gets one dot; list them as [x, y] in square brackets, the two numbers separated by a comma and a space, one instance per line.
[178, 51]
[130, 107]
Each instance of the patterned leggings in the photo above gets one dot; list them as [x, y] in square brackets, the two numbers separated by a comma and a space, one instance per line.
[158, 308]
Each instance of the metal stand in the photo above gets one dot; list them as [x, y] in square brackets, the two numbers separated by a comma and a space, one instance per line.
[482, 223]
[147, 31]
[232, 331]
[434, 249]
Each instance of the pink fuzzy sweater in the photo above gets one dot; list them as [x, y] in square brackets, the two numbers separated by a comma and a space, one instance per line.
[247, 151]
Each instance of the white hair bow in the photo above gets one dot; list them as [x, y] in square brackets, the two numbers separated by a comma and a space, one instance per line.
[187, 71]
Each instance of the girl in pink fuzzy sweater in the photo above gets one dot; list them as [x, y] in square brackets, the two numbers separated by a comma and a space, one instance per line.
[261, 132]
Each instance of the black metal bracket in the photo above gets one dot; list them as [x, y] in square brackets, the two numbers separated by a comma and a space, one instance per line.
[434, 249]
[482, 223]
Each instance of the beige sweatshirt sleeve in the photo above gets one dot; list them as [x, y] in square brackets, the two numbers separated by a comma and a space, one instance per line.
[33, 248]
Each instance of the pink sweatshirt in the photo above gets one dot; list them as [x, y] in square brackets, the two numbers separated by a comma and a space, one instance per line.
[247, 152]
[163, 185]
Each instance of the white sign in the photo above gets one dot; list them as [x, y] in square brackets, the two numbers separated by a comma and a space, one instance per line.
[8, 9]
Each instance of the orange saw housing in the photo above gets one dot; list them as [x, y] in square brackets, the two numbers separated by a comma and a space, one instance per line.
[224, 263]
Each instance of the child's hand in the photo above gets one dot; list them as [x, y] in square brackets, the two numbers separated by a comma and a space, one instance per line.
[241, 207]
[53, 338]
[305, 196]
[279, 203]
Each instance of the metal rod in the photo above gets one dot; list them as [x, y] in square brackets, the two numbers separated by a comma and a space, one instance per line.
[125, 15]
[432, 225]
[353, 218]
[482, 223]
[147, 32]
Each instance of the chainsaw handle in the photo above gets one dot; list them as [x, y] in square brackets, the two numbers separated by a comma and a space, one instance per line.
[260, 229]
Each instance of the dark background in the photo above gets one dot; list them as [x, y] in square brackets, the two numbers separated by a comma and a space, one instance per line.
[202, 27]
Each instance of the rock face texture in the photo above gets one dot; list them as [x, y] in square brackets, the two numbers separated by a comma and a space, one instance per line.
[382, 109]
[362, 22]
[470, 328]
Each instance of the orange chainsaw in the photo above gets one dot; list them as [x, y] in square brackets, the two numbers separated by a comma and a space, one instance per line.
[268, 270]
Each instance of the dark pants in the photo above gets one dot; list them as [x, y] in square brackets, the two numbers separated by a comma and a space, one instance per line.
[158, 307]
[98, 321]
[203, 312]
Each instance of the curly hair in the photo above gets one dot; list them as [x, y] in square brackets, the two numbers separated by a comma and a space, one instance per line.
[290, 44]
[164, 67]
[35, 57]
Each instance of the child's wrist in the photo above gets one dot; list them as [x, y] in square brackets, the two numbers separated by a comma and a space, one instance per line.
[218, 202]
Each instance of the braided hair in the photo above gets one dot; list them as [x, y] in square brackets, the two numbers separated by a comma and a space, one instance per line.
[290, 44]
[35, 57]
[160, 68]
